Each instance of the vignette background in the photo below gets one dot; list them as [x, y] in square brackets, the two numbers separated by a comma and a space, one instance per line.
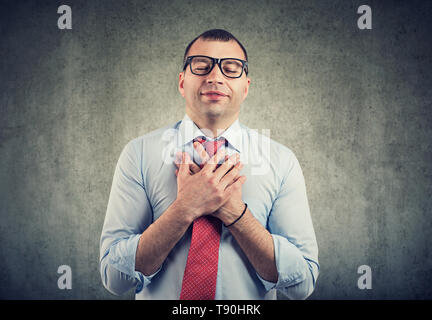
[354, 106]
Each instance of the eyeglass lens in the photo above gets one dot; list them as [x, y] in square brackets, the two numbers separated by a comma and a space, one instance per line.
[230, 67]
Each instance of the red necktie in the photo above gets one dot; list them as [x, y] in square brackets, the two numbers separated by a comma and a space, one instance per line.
[199, 279]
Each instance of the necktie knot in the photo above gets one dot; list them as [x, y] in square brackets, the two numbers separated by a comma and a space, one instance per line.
[211, 146]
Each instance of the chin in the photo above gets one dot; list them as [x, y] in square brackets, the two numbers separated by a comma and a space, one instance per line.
[214, 113]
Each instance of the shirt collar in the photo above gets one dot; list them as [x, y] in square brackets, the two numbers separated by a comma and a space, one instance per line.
[189, 130]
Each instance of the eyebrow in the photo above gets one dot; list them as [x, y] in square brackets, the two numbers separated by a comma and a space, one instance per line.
[201, 59]
[233, 62]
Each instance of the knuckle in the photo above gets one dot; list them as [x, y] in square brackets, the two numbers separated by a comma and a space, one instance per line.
[220, 195]
[232, 174]
[235, 171]
[218, 190]
[213, 181]
[228, 192]
[214, 189]
[206, 174]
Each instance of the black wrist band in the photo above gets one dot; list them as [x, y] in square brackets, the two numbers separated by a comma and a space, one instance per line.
[237, 218]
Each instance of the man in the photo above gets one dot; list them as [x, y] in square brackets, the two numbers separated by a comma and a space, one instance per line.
[195, 228]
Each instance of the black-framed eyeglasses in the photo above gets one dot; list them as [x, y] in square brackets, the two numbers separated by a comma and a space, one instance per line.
[203, 65]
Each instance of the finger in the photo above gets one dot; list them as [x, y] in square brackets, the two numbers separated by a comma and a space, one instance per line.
[194, 168]
[231, 176]
[240, 181]
[237, 176]
[210, 165]
[226, 159]
[184, 165]
[199, 148]
[227, 166]
[177, 159]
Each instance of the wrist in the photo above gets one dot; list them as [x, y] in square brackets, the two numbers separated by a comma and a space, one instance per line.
[230, 214]
[185, 211]
[238, 218]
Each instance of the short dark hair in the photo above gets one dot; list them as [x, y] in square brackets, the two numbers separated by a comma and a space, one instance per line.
[217, 35]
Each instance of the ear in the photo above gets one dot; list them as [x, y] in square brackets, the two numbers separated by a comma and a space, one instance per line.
[181, 84]
[246, 91]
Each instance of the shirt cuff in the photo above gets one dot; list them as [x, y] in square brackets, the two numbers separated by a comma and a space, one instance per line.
[267, 284]
[290, 263]
[122, 257]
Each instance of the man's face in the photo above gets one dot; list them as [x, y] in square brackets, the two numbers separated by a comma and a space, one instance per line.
[200, 92]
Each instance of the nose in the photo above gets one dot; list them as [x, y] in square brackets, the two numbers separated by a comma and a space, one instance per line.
[215, 76]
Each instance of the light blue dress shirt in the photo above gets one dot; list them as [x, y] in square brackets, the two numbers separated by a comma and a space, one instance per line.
[145, 185]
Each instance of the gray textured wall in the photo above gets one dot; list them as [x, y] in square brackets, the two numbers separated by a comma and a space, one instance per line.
[354, 106]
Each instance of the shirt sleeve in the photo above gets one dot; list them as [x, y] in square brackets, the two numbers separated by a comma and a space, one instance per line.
[290, 224]
[128, 214]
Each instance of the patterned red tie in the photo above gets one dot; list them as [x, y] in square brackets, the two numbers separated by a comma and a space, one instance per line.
[199, 279]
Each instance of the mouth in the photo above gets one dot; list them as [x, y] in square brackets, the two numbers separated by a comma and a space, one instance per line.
[213, 95]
